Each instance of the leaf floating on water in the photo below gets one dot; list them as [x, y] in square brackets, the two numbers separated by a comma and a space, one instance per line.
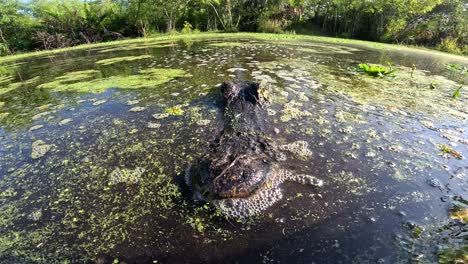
[374, 70]
[456, 94]
[447, 150]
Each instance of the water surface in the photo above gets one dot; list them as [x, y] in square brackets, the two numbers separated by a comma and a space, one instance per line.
[94, 144]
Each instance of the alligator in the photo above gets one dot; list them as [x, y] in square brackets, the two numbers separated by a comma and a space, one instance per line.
[241, 175]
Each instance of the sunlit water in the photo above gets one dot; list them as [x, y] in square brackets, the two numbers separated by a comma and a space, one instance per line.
[91, 174]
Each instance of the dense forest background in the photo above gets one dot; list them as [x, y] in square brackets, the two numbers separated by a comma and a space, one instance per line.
[48, 24]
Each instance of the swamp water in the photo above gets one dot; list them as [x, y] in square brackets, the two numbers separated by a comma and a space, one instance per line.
[94, 144]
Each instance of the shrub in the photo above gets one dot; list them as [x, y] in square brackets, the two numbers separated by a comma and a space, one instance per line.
[449, 45]
[270, 26]
[187, 29]
[4, 49]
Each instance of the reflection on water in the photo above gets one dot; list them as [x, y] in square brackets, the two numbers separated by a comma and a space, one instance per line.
[90, 173]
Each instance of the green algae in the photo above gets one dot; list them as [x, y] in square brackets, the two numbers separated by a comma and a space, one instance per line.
[73, 82]
[354, 184]
[228, 44]
[450, 256]
[4, 80]
[128, 176]
[77, 76]
[90, 214]
[15, 85]
[39, 148]
[400, 92]
[459, 212]
[137, 46]
[106, 62]
[291, 112]
[175, 110]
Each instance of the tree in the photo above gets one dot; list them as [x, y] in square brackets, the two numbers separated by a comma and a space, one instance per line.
[15, 26]
[172, 11]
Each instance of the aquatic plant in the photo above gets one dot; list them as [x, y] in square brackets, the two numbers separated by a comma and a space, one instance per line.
[456, 94]
[448, 150]
[175, 110]
[374, 70]
[460, 213]
[39, 148]
[456, 68]
[90, 82]
[106, 62]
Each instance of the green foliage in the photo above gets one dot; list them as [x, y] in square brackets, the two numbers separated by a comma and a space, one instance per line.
[4, 49]
[449, 45]
[187, 29]
[270, 26]
[456, 94]
[50, 24]
[374, 70]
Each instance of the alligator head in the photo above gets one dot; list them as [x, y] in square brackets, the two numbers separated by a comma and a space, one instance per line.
[241, 175]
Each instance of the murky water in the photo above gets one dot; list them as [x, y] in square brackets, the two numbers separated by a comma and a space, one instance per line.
[94, 144]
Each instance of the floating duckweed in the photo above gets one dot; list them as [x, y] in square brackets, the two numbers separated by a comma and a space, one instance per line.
[128, 176]
[41, 115]
[196, 223]
[132, 102]
[36, 127]
[39, 148]
[9, 192]
[428, 124]
[136, 46]
[154, 125]
[65, 121]
[175, 110]
[144, 79]
[290, 112]
[460, 213]
[99, 102]
[355, 185]
[110, 61]
[3, 115]
[77, 76]
[36, 215]
[346, 130]
[450, 255]
[16, 85]
[203, 122]
[228, 44]
[5, 80]
[161, 115]
[137, 109]
[300, 149]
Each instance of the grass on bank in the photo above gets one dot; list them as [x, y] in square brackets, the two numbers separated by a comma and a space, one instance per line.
[208, 35]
